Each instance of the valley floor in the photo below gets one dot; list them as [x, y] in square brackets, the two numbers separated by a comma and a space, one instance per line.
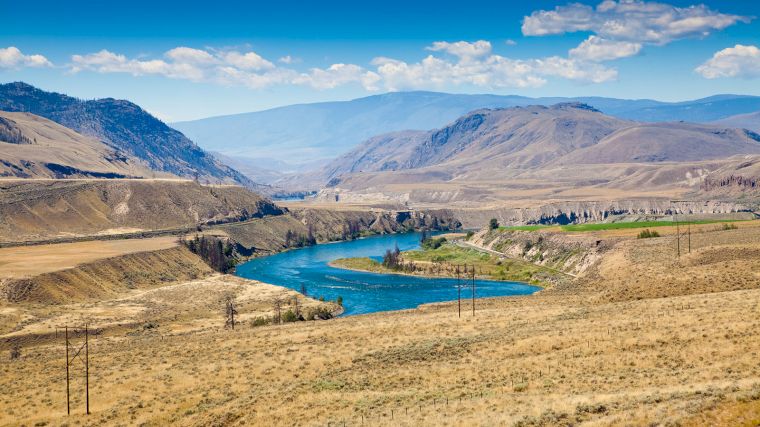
[641, 338]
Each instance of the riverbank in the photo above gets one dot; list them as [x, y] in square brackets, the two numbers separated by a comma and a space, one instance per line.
[444, 260]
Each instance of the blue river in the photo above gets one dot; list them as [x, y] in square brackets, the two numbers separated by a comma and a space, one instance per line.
[365, 292]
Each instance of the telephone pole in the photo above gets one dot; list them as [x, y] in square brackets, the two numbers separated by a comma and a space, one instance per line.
[473, 290]
[86, 361]
[459, 293]
[87, 368]
[68, 404]
[688, 224]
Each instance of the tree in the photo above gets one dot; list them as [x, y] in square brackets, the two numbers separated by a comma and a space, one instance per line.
[493, 224]
[277, 305]
[231, 312]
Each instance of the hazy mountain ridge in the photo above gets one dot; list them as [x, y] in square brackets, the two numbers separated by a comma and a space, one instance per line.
[124, 126]
[325, 130]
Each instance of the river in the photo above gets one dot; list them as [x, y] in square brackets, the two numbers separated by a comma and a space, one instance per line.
[365, 292]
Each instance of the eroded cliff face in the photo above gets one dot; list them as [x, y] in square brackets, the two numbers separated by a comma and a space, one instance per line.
[570, 254]
[269, 234]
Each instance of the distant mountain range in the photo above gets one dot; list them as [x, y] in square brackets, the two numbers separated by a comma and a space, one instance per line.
[125, 127]
[307, 132]
[558, 151]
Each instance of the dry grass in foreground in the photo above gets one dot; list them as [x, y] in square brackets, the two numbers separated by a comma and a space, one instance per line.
[25, 261]
[642, 339]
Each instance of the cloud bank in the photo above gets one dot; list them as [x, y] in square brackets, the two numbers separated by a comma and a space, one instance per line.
[12, 57]
[738, 61]
[451, 63]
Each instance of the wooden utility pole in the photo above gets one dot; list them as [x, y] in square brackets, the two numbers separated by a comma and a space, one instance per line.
[459, 293]
[85, 361]
[68, 404]
[678, 237]
[688, 224]
[473, 290]
[87, 369]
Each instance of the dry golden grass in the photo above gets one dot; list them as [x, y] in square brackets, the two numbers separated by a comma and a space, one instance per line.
[26, 261]
[642, 339]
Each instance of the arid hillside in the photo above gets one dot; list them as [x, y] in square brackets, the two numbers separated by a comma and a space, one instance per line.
[535, 155]
[46, 209]
[642, 337]
[124, 126]
[34, 147]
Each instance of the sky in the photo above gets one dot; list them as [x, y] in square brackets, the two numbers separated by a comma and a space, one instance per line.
[188, 60]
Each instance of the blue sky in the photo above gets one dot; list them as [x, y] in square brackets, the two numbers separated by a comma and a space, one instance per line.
[186, 60]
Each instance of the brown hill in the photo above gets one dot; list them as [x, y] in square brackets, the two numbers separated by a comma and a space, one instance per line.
[520, 137]
[749, 121]
[38, 210]
[34, 147]
[124, 126]
[529, 154]
[667, 142]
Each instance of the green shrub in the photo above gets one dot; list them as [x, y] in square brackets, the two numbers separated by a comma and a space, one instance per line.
[493, 224]
[289, 316]
[470, 234]
[339, 301]
[729, 226]
[261, 321]
[646, 234]
[433, 243]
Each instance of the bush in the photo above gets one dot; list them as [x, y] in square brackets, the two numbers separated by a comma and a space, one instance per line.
[261, 321]
[729, 226]
[433, 243]
[493, 224]
[339, 301]
[470, 234]
[646, 234]
[320, 313]
[15, 352]
[289, 316]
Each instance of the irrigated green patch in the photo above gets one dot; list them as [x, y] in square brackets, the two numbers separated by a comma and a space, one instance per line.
[639, 224]
[600, 226]
[525, 227]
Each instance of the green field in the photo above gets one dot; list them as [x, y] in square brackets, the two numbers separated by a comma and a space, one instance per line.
[441, 262]
[610, 225]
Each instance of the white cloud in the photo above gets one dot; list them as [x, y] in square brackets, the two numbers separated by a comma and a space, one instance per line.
[510, 42]
[477, 68]
[450, 64]
[598, 49]
[338, 75]
[12, 57]
[189, 55]
[109, 62]
[737, 61]
[463, 49]
[247, 61]
[287, 59]
[630, 20]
